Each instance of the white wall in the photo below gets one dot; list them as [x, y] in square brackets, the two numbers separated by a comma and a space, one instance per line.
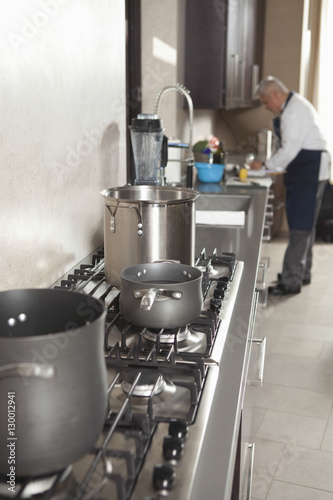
[160, 57]
[283, 41]
[62, 106]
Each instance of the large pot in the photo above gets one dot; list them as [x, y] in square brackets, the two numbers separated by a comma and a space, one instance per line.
[161, 295]
[145, 224]
[53, 384]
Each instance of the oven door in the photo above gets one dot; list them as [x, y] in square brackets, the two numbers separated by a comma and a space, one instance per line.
[254, 379]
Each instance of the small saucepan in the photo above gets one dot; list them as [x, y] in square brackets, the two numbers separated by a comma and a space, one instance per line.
[161, 294]
[53, 379]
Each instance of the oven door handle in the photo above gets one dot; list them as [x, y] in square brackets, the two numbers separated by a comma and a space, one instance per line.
[250, 451]
[261, 362]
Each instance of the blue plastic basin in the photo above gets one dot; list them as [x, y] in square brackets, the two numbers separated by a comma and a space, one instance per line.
[209, 172]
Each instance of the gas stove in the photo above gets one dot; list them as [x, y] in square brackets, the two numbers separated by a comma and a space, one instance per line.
[221, 277]
[161, 386]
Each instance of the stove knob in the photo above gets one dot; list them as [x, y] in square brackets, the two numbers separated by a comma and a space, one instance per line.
[178, 428]
[172, 447]
[219, 294]
[215, 305]
[223, 282]
[163, 477]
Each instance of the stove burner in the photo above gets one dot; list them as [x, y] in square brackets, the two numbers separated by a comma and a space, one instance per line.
[162, 394]
[150, 383]
[208, 269]
[36, 486]
[213, 271]
[90, 487]
[206, 264]
[167, 335]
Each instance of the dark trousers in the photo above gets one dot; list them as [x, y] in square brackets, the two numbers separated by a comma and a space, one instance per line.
[298, 256]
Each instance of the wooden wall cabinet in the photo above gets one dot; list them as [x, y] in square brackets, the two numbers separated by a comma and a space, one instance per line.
[223, 52]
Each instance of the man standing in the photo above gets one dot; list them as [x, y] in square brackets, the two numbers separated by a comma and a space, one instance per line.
[299, 152]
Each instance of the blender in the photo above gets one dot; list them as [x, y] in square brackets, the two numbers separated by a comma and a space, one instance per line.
[150, 149]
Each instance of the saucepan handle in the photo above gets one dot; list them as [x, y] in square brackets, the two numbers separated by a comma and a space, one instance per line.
[30, 370]
[148, 299]
[149, 295]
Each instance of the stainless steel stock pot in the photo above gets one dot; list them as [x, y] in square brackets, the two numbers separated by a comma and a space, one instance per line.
[146, 224]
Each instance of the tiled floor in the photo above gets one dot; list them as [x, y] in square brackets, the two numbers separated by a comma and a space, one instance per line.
[293, 415]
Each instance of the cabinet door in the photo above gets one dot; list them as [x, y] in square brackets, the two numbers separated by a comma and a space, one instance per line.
[223, 47]
[235, 54]
[253, 29]
[205, 46]
[244, 51]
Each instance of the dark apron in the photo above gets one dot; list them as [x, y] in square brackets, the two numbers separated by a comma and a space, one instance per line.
[301, 181]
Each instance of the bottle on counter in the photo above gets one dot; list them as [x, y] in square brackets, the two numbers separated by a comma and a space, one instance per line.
[219, 155]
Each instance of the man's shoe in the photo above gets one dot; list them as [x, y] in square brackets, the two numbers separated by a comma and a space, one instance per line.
[281, 289]
[306, 281]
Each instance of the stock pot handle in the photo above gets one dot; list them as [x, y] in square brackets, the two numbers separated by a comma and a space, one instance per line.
[166, 261]
[30, 370]
[113, 217]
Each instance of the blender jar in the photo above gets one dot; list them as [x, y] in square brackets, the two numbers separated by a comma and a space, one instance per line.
[147, 138]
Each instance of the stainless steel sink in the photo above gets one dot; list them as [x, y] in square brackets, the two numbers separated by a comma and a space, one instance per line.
[225, 202]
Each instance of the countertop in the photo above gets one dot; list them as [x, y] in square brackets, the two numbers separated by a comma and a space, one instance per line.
[226, 409]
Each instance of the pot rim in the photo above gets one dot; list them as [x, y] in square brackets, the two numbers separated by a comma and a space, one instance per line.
[136, 268]
[190, 195]
[71, 331]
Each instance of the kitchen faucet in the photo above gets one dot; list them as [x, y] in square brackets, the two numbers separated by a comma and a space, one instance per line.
[190, 159]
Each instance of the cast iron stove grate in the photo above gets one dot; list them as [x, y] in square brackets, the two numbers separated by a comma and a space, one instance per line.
[182, 374]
